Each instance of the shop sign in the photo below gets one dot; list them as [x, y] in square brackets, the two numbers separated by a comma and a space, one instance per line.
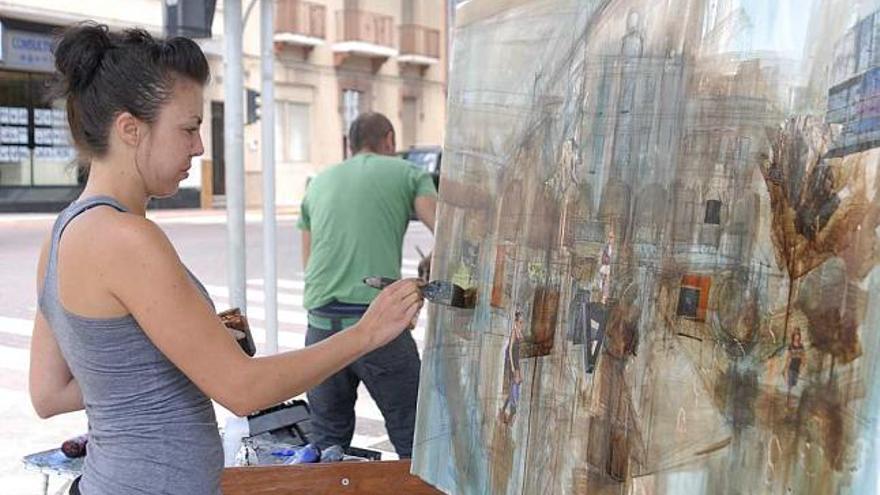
[27, 51]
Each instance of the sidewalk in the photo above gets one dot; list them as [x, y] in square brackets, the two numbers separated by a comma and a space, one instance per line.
[177, 216]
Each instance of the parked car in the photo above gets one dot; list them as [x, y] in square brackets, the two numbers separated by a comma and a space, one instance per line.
[426, 158]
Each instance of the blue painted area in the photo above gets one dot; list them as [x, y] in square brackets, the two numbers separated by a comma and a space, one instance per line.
[778, 26]
[867, 478]
[693, 481]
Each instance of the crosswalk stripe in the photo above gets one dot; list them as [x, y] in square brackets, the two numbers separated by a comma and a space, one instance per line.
[408, 270]
[284, 315]
[15, 358]
[17, 326]
[282, 283]
[256, 295]
[291, 340]
[213, 219]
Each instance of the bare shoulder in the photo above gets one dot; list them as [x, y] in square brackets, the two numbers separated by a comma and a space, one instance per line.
[102, 236]
[113, 239]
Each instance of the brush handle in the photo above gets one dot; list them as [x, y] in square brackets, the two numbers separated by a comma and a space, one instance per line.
[379, 282]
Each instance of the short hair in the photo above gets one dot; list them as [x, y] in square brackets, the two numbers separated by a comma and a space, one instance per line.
[101, 74]
[368, 130]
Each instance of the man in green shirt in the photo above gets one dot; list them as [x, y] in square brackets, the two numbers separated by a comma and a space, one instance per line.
[353, 220]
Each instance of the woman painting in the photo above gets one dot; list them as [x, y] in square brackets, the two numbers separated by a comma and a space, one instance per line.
[123, 329]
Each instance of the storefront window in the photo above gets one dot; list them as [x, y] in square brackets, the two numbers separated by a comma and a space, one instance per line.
[35, 146]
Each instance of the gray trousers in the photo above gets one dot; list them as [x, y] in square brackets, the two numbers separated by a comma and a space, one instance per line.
[391, 375]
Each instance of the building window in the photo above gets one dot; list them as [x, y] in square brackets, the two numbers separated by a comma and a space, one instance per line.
[713, 212]
[292, 132]
[409, 123]
[351, 108]
[693, 297]
[35, 143]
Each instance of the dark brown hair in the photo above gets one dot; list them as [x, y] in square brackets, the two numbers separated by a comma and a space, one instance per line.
[368, 130]
[102, 73]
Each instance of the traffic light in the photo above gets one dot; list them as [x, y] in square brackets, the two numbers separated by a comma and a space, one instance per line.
[189, 18]
[253, 106]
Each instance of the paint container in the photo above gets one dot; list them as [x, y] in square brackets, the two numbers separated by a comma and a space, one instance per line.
[75, 447]
[308, 454]
[333, 453]
[247, 454]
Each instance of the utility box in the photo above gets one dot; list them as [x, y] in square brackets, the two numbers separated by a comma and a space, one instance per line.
[189, 18]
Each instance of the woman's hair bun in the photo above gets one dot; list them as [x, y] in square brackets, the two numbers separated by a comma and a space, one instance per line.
[80, 51]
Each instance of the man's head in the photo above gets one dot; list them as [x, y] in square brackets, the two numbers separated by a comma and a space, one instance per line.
[372, 132]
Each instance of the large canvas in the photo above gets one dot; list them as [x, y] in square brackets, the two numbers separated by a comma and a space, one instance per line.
[670, 213]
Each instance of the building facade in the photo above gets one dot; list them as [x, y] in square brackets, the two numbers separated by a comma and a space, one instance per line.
[334, 59]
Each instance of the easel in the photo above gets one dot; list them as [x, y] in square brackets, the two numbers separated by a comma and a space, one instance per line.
[376, 477]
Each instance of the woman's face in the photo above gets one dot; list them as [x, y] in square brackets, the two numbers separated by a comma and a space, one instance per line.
[165, 157]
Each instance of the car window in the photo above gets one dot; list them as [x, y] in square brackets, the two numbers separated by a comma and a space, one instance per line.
[425, 160]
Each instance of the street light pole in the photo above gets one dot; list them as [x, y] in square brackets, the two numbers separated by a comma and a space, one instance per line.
[267, 130]
[233, 132]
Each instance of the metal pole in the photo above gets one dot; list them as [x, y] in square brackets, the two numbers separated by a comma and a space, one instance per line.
[267, 129]
[233, 132]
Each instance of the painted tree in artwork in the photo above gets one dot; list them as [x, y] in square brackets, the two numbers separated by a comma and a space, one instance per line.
[818, 204]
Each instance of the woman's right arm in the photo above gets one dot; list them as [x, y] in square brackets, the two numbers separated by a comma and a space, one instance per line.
[146, 275]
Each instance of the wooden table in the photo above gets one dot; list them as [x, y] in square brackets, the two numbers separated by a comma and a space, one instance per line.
[375, 477]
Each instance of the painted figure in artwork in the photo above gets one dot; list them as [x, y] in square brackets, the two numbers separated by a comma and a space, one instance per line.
[513, 371]
[605, 268]
[794, 361]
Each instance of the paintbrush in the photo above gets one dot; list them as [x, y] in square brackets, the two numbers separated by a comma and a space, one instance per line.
[424, 268]
[436, 291]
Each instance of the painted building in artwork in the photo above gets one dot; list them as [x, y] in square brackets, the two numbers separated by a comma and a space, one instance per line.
[854, 98]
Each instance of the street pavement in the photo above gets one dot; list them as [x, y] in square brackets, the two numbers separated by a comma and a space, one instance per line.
[200, 238]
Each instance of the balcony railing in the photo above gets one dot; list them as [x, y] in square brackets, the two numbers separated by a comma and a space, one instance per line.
[420, 41]
[366, 27]
[300, 17]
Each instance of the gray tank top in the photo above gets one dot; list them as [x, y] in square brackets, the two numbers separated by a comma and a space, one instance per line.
[151, 430]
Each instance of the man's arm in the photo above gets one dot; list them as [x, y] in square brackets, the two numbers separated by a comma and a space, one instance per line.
[306, 247]
[426, 210]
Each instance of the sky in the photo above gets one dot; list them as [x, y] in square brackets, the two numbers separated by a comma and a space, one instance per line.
[777, 25]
